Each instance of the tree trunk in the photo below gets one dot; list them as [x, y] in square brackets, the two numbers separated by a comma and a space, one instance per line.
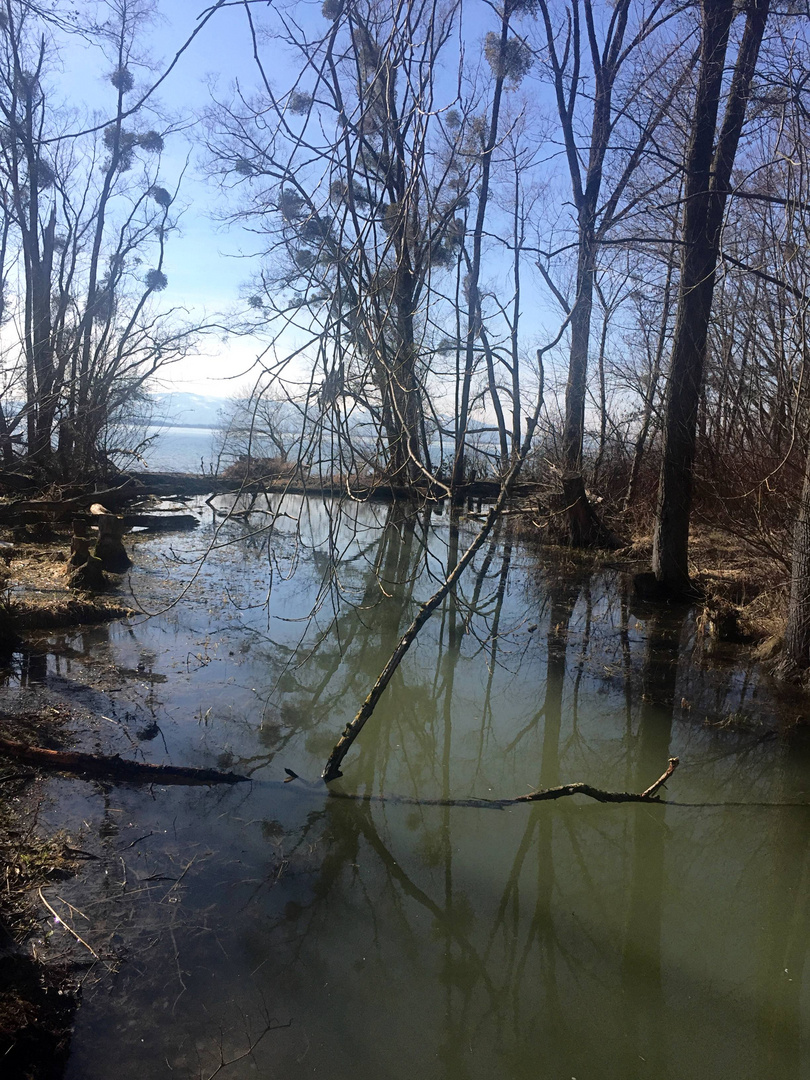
[797, 633]
[585, 527]
[474, 312]
[708, 174]
[652, 385]
[576, 389]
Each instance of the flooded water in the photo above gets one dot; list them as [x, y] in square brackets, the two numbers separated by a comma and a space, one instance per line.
[273, 929]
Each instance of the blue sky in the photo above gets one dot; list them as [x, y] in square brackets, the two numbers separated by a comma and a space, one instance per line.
[206, 264]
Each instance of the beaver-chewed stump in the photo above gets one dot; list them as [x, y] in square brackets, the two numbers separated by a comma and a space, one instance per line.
[84, 569]
[88, 576]
[109, 546]
[80, 544]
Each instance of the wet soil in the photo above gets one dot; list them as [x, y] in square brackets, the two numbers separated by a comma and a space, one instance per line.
[38, 999]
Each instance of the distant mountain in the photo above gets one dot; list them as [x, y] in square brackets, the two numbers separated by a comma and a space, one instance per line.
[179, 409]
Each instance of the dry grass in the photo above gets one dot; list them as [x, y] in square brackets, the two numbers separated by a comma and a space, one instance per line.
[37, 595]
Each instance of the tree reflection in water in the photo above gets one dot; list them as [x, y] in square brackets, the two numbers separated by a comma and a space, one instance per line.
[555, 939]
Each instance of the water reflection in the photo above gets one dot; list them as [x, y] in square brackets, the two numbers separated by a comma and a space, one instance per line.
[783, 954]
[562, 939]
[642, 984]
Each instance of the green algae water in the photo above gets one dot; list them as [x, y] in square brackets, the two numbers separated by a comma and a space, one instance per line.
[273, 929]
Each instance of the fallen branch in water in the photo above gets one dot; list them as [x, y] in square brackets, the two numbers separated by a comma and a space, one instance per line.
[354, 727]
[115, 767]
[70, 930]
[596, 793]
[541, 795]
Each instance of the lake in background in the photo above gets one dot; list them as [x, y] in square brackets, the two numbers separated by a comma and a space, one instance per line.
[182, 449]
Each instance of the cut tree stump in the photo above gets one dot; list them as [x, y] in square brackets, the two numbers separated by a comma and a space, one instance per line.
[84, 571]
[87, 576]
[586, 528]
[110, 547]
[79, 551]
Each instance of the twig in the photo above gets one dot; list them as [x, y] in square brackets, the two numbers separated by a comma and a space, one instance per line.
[8, 777]
[134, 842]
[272, 1025]
[76, 853]
[186, 869]
[70, 929]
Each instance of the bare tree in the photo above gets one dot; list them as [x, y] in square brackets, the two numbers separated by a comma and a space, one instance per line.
[709, 163]
[356, 178]
[620, 120]
[85, 215]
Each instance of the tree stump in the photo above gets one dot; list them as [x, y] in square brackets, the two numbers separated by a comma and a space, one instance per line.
[109, 546]
[80, 545]
[79, 551]
[586, 528]
[88, 576]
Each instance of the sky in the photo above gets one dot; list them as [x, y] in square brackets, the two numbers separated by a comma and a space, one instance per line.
[206, 264]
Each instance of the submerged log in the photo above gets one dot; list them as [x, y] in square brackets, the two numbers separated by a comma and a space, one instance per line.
[167, 522]
[650, 794]
[115, 767]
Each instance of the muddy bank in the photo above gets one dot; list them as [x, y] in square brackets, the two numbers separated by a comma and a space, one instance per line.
[38, 595]
[38, 999]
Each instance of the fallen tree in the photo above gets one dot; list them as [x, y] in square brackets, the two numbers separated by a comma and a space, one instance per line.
[113, 768]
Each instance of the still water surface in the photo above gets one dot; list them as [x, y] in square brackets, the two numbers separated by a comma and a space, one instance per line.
[182, 449]
[386, 938]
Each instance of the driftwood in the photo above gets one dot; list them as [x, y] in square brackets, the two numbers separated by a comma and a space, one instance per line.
[36, 511]
[354, 727]
[650, 795]
[166, 485]
[162, 522]
[63, 509]
[115, 767]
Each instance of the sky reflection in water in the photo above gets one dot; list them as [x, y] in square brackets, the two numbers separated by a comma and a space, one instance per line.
[386, 939]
